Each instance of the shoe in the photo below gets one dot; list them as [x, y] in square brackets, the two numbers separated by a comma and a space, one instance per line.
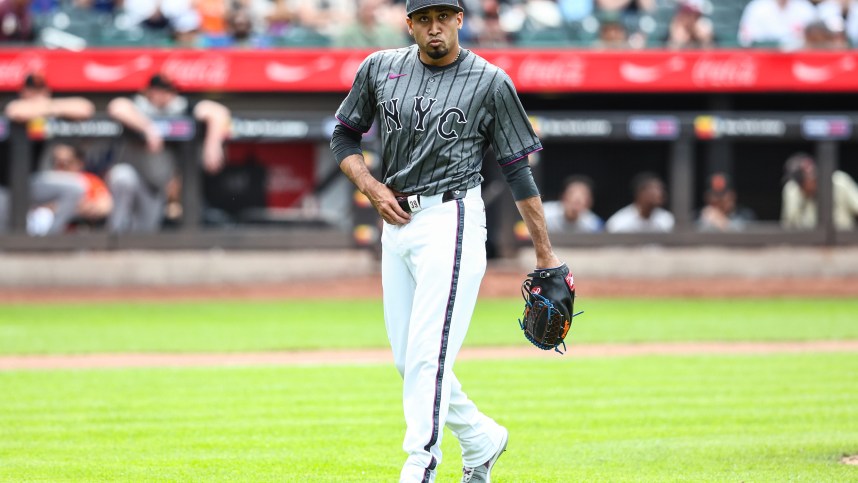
[482, 473]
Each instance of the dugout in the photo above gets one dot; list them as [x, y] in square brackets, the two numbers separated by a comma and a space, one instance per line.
[594, 116]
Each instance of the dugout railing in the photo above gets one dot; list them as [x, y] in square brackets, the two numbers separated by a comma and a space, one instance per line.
[681, 133]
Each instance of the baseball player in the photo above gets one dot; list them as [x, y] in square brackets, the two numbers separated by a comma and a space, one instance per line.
[439, 107]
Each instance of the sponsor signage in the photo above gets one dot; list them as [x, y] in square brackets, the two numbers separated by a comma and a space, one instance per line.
[38, 129]
[270, 129]
[547, 128]
[532, 71]
[714, 127]
[176, 129]
[653, 128]
[826, 128]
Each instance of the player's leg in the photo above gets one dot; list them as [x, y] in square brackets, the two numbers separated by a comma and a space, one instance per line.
[448, 271]
[123, 182]
[397, 284]
[478, 434]
[149, 209]
[63, 191]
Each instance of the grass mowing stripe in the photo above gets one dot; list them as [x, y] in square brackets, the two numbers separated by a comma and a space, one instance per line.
[261, 326]
[724, 418]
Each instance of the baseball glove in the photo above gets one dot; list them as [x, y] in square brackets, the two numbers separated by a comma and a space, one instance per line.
[549, 295]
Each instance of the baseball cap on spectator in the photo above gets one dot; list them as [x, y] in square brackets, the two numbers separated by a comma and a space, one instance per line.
[693, 6]
[35, 81]
[412, 6]
[719, 184]
[160, 81]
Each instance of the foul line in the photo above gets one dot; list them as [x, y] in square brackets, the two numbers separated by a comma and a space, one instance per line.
[377, 356]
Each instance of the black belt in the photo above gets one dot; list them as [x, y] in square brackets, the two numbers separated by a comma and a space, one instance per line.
[414, 203]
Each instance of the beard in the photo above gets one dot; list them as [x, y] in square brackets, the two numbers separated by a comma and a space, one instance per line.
[437, 53]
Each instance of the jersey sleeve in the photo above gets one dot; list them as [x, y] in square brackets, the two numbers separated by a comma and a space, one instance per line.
[357, 110]
[513, 137]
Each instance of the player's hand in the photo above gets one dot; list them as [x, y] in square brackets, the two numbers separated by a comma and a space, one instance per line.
[384, 202]
[154, 140]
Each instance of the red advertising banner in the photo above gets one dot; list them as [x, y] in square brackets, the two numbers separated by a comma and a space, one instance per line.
[328, 70]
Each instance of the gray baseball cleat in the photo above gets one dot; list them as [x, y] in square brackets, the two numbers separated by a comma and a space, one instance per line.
[482, 473]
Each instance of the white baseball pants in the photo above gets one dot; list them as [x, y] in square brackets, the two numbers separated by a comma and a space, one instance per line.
[431, 273]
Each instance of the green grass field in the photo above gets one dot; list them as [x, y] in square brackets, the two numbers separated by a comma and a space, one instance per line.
[721, 418]
[224, 326]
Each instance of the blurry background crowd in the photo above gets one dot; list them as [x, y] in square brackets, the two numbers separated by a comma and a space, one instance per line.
[603, 24]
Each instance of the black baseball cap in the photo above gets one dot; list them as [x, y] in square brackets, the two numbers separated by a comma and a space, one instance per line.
[412, 6]
[160, 81]
[35, 81]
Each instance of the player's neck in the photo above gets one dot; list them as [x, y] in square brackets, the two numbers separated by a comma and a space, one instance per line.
[451, 58]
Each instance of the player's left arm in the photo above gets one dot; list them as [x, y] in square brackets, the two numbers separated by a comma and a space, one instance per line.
[534, 217]
[217, 119]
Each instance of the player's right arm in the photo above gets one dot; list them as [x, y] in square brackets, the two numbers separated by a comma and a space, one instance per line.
[73, 108]
[123, 110]
[355, 116]
[379, 194]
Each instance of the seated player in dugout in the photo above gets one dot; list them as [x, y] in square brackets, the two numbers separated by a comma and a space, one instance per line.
[146, 169]
[799, 195]
[722, 212]
[54, 197]
[645, 213]
[572, 212]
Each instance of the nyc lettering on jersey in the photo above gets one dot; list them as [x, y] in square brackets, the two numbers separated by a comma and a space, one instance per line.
[445, 127]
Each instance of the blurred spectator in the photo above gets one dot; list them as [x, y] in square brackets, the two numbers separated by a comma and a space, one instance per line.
[160, 14]
[324, 16]
[16, 21]
[721, 212]
[612, 32]
[488, 29]
[689, 28]
[241, 31]
[572, 212]
[575, 10]
[819, 36]
[631, 6]
[368, 30]
[777, 22]
[213, 16]
[185, 30]
[645, 214]
[105, 6]
[140, 180]
[843, 13]
[799, 204]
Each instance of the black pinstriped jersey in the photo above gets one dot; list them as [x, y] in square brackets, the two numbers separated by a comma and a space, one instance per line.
[437, 122]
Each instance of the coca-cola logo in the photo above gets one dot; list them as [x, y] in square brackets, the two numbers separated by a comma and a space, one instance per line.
[733, 71]
[557, 72]
[14, 69]
[204, 70]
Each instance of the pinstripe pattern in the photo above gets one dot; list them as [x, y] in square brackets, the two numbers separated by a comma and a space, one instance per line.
[475, 106]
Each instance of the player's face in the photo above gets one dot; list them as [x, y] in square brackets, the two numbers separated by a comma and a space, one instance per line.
[160, 98]
[436, 31]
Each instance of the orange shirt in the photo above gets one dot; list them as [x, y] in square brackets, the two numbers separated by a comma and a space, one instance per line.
[95, 187]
